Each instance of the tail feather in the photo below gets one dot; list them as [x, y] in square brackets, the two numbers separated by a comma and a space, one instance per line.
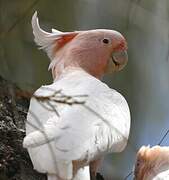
[82, 174]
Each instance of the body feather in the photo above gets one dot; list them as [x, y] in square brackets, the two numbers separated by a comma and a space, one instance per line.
[79, 132]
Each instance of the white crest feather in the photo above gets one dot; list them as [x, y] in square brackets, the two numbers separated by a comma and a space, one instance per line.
[44, 39]
[47, 41]
[56, 31]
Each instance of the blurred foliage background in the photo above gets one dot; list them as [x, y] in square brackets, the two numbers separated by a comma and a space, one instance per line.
[144, 82]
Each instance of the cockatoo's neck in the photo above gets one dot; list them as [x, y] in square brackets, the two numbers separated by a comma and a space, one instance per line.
[67, 71]
[60, 74]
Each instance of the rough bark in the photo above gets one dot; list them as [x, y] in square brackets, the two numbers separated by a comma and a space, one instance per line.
[15, 163]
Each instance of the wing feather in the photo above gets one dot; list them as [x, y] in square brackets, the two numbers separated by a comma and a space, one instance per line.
[81, 131]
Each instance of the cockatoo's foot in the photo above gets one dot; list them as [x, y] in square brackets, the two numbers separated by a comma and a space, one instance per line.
[94, 165]
[99, 177]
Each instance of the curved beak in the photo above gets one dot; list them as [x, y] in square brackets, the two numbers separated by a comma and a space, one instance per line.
[120, 59]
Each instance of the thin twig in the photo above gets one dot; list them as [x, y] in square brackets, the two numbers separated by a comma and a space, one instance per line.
[129, 174]
[57, 97]
[162, 139]
[53, 108]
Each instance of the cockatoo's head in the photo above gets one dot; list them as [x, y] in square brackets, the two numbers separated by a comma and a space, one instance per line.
[151, 162]
[95, 51]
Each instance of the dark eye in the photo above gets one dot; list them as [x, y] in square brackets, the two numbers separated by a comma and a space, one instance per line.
[106, 41]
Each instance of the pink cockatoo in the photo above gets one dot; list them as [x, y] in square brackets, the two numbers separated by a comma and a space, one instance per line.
[152, 163]
[64, 146]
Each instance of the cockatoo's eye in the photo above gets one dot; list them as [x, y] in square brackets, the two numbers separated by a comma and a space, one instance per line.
[105, 41]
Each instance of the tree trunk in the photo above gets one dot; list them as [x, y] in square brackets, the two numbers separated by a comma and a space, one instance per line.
[15, 163]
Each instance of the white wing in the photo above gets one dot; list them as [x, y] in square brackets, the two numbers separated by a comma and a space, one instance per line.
[82, 131]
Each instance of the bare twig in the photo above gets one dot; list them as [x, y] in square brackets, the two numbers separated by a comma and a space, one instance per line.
[129, 174]
[162, 139]
[56, 97]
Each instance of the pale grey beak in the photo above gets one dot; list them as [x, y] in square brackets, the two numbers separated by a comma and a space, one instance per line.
[120, 58]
